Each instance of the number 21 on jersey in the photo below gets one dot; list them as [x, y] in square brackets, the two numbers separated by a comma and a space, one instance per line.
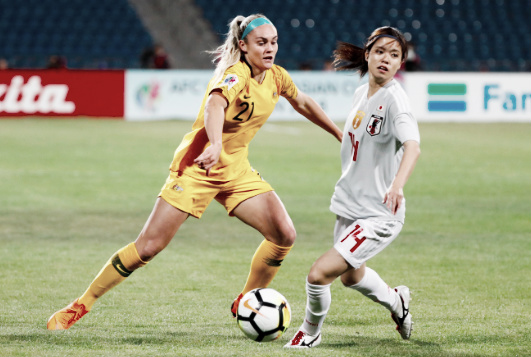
[245, 106]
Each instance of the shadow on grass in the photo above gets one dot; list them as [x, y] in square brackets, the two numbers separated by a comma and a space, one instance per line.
[396, 347]
[85, 341]
[80, 339]
[391, 344]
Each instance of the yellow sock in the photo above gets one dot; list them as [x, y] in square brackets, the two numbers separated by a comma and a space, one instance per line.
[265, 265]
[119, 267]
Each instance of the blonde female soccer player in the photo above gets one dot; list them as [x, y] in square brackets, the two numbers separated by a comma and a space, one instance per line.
[378, 154]
[211, 163]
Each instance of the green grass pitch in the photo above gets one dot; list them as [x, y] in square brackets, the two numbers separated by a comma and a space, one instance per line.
[72, 192]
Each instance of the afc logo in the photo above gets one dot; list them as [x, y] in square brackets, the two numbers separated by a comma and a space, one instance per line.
[357, 119]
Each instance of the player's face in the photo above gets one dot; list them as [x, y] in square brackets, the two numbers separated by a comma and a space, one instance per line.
[384, 58]
[261, 48]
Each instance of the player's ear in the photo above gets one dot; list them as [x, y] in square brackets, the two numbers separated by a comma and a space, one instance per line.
[243, 46]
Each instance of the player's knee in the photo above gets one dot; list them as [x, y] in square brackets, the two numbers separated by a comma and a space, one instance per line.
[316, 276]
[348, 280]
[149, 248]
[289, 236]
[148, 252]
[284, 236]
[352, 277]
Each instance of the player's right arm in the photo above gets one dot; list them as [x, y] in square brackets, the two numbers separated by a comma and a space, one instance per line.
[214, 118]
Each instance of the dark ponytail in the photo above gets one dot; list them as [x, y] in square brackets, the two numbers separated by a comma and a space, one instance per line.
[350, 57]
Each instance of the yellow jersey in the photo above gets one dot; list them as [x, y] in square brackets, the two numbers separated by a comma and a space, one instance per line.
[249, 106]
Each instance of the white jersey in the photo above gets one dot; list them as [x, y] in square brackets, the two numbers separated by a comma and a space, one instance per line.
[371, 152]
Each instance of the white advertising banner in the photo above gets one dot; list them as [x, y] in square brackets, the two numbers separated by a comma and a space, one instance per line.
[470, 97]
[178, 94]
[450, 96]
[332, 90]
[167, 94]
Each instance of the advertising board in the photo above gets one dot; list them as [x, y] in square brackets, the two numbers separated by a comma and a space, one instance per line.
[470, 97]
[62, 93]
[178, 94]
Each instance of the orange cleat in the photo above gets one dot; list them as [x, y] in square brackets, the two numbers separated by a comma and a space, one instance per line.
[66, 317]
[235, 304]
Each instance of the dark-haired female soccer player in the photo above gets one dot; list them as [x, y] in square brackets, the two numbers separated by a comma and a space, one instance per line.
[379, 151]
[211, 163]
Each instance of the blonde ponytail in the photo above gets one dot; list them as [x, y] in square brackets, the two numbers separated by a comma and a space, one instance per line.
[229, 53]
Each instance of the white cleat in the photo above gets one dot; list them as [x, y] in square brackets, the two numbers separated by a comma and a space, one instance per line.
[303, 340]
[404, 324]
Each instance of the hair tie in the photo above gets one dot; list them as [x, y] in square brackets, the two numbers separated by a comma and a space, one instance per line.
[259, 21]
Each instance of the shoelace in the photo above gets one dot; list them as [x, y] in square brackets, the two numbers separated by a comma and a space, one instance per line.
[76, 314]
[298, 338]
[405, 312]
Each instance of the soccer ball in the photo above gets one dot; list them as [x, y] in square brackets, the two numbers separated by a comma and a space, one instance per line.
[263, 314]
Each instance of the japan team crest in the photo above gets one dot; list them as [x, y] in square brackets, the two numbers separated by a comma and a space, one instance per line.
[375, 124]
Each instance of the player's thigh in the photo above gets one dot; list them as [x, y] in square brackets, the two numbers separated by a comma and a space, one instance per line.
[160, 228]
[327, 268]
[266, 213]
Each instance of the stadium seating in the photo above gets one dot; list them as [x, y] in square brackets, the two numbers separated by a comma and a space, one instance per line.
[449, 35]
[89, 34]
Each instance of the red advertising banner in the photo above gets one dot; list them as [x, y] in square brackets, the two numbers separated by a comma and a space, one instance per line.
[62, 93]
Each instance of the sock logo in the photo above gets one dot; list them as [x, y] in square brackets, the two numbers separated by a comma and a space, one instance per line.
[119, 266]
[447, 97]
[310, 323]
[273, 262]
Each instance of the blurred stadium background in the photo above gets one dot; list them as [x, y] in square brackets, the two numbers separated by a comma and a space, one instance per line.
[449, 35]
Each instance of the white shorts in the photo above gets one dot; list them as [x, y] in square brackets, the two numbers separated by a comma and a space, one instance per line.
[359, 240]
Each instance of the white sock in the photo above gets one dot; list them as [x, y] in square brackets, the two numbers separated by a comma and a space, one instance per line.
[373, 287]
[318, 302]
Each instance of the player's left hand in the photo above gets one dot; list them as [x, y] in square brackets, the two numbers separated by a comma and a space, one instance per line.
[393, 199]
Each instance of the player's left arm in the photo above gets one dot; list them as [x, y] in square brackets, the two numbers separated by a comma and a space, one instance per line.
[394, 196]
[309, 108]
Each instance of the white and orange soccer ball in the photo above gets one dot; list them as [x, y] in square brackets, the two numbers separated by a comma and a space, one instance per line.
[263, 314]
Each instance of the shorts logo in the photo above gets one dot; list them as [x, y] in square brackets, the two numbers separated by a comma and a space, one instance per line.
[178, 188]
[375, 125]
[230, 81]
